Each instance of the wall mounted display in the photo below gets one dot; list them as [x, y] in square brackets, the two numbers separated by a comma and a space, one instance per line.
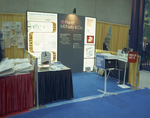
[42, 33]
[89, 42]
[12, 34]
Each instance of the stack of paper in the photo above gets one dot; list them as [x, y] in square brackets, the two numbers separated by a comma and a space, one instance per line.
[14, 66]
[6, 68]
[20, 61]
[23, 68]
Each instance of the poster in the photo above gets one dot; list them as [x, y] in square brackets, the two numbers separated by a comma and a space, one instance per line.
[88, 63]
[42, 32]
[13, 41]
[90, 28]
[18, 29]
[13, 25]
[12, 32]
[21, 42]
[6, 26]
[89, 51]
[89, 41]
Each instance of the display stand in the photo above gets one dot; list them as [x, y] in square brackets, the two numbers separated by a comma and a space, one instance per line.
[132, 58]
[122, 56]
[105, 87]
[109, 65]
[123, 85]
[37, 84]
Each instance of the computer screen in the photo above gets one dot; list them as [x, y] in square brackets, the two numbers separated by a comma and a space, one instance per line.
[126, 50]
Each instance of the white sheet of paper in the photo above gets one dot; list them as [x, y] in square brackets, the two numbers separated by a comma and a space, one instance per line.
[21, 42]
[13, 24]
[18, 29]
[6, 26]
[14, 41]
[7, 42]
[7, 34]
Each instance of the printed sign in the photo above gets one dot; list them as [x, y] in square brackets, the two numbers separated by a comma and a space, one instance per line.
[46, 58]
[100, 61]
[132, 57]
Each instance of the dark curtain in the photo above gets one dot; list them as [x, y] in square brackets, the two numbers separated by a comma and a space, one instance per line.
[136, 27]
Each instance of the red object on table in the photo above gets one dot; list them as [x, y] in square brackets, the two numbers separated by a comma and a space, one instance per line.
[16, 93]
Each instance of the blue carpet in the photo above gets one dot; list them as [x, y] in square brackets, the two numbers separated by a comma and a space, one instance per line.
[134, 104]
[87, 84]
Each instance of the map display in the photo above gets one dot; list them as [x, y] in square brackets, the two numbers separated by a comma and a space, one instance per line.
[89, 51]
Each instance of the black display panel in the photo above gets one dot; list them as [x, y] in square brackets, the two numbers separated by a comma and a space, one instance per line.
[71, 41]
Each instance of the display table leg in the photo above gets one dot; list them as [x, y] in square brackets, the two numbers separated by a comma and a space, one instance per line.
[105, 86]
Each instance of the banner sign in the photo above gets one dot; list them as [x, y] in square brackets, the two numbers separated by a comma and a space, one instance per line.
[132, 57]
[100, 61]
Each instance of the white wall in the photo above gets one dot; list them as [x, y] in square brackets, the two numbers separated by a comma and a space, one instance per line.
[113, 11]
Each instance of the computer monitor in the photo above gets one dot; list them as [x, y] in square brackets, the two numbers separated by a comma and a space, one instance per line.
[126, 50]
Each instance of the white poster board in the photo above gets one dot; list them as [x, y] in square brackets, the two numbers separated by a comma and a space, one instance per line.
[42, 33]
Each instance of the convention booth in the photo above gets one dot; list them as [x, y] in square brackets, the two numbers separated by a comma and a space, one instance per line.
[42, 50]
[16, 90]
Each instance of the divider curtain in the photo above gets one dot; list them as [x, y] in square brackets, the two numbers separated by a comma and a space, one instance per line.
[136, 27]
[13, 51]
[119, 37]
[102, 29]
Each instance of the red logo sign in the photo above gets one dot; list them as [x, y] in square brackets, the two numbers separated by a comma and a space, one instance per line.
[132, 57]
[90, 39]
[62, 21]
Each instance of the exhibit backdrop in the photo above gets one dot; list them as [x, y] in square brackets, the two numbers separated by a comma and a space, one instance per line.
[71, 41]
[42, 34]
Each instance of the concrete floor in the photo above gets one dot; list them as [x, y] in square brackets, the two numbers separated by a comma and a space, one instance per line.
[144, 79]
